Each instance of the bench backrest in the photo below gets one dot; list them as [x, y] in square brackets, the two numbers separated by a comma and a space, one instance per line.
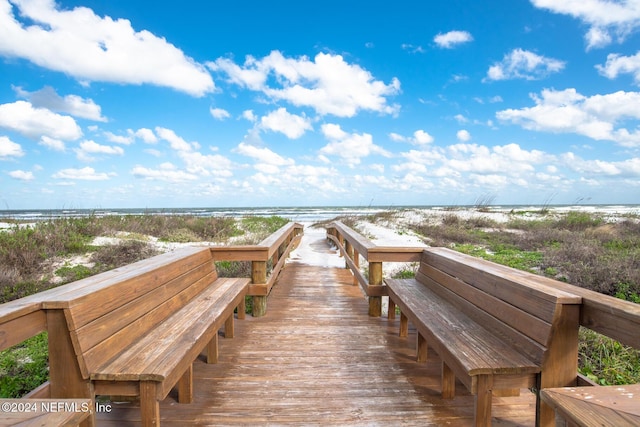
[108, 312]
[522, 308]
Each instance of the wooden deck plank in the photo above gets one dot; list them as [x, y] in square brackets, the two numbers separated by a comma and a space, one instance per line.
[317, 358]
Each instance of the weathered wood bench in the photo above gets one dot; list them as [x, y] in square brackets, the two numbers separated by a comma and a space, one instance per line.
[496, 329]
[136, 330]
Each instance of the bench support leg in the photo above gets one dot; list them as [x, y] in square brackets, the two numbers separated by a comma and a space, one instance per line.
[212, 349]
[483, 400]
[229, 327]
[185, 386]
[404, 325]
[391, 312]
[149, 405]
[242, 309]
[448, 382]
[422, 348]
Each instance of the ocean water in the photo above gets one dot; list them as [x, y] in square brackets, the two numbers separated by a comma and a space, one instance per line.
[299, 214]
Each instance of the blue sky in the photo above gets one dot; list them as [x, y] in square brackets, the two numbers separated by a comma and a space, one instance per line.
[251, 103]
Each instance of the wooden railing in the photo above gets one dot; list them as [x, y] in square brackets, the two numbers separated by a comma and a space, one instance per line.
[352, 245]
[272, 251]
[24, 318]
[607, 315]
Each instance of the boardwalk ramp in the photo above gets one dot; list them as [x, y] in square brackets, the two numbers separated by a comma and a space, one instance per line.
[318, 359]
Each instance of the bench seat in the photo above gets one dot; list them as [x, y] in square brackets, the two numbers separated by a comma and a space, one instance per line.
[472, 349]
[182, 336]
[496, 329]
[136, 330]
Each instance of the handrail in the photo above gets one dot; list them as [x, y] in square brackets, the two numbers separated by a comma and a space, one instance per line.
[276, 247]
[353, 244]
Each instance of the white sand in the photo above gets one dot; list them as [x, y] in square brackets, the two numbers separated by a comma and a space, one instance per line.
[315, 250]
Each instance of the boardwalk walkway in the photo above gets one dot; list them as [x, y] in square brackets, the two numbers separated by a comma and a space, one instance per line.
[317, 358]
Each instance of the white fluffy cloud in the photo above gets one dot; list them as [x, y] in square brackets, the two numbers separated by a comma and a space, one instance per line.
[328, 84]
[463, 135]
[351, 148]
[74, 105]
[89, 47]
[196, 163]
[452, 39]
[291, 125]
[87, 149]
[8, 148]
[176, 142]
[605, 18]
[166, 172]
[22, 175]
[618, 64]
[22, 117]
[626, 168]
[146, 135]
[523, 64]
[84, 174]
[268, 161]
[420, 137]
[568, 111]
[52, 143]
[219, 113]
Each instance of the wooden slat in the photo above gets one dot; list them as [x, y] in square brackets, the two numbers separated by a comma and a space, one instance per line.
[107, 298]
[476, 349]
[145, 361]
[105, 326]
[608, 315]
[278, 237]
[79, 290]
[522, 322]
[532, 349]
[357, 240]
[101, 353]
[519, 288]
[18, 329]
[615, 406]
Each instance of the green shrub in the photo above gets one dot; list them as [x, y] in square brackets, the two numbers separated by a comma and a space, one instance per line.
[24, 367]
[607, 361]
[71, 274]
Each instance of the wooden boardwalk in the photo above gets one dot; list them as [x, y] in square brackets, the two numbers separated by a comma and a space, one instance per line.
[317, 358]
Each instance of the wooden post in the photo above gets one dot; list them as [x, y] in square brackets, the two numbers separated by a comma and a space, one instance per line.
[65, 378]
[561, 361]
[349, 253]
[259, 275]
[375, 279]
[356, 262]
